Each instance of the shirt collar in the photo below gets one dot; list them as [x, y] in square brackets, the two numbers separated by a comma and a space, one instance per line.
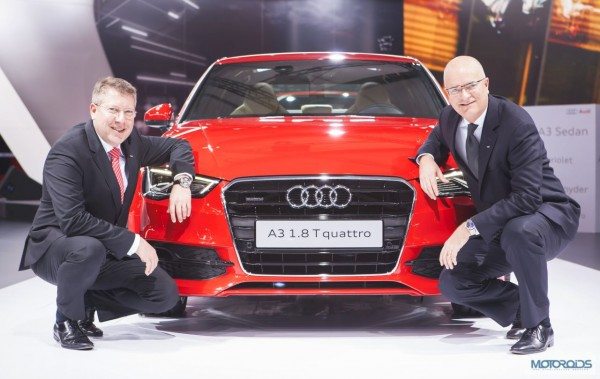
[479, 122]
[107, 147]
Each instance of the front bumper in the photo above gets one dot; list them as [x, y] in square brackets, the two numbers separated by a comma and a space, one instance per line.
[220, 273]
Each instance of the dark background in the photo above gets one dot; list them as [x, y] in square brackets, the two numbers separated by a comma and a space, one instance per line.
[165, 64]
[535, 55]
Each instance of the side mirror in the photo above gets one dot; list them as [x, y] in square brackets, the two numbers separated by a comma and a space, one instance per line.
[159, 117]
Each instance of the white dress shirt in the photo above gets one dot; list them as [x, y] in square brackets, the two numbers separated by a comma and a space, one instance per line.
[107, 148]
[463, 130]
[461, 136]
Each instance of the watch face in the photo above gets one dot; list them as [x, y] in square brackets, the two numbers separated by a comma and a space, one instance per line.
[185, 182]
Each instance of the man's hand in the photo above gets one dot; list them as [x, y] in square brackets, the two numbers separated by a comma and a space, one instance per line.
[453, 245]
[428, 172]
[148, 255]
[180, 203]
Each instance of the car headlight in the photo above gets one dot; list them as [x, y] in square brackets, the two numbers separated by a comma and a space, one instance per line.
[158, 182]
[456, 186]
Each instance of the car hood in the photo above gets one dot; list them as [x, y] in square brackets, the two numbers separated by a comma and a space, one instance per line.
[267, 146]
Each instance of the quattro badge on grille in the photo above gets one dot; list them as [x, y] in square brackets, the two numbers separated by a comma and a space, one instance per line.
[318, 196]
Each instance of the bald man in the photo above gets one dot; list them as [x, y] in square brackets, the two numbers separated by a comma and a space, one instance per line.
[524, 218]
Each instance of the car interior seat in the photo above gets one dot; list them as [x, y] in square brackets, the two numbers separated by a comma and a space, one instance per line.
[372, 98]
[260, 100]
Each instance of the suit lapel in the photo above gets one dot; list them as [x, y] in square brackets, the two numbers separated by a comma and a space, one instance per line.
[454, 120]
[101, 159]
[488, 137]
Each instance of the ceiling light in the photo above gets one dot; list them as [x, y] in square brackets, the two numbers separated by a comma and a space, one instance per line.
[191, 4]
[155, 79]
[134, 30]
[112, 23]
[177, 74]
[168, 47]
[167, 55]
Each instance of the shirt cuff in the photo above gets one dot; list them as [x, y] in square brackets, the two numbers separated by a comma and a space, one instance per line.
[176, 177]
[134, 247]
[420, 155]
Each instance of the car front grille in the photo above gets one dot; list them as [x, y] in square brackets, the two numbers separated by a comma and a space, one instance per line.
[253, 199]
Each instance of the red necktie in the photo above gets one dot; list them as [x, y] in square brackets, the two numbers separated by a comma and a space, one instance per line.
[114, 155]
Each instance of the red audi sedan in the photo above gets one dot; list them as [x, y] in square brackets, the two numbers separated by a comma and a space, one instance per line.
[306, 182]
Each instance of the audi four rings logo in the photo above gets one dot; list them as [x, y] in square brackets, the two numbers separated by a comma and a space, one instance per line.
[314, 197]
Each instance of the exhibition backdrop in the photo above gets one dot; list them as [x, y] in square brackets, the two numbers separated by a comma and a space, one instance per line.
[164, 46]
[536, 52]
[570, 134]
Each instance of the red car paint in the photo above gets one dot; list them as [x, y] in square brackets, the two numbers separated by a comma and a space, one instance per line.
[298, 145]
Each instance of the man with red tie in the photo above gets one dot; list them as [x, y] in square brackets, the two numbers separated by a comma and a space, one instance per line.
[79, 240]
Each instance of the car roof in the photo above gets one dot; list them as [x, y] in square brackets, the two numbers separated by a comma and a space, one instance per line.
[315, 56]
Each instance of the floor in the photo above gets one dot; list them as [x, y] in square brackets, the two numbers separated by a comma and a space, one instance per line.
[12, 240]
[287, 337]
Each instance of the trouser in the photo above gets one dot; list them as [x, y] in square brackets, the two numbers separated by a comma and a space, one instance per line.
[85, 275]
[524, 247]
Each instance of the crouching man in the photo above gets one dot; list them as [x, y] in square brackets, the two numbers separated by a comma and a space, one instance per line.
[79, 240]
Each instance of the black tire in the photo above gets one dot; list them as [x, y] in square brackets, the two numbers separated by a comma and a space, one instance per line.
[418, 300]
[177, 311]
[462, 311]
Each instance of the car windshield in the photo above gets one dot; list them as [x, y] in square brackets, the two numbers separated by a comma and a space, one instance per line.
[316, 87]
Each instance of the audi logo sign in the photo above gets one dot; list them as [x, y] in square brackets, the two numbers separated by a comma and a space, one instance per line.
[318, 197]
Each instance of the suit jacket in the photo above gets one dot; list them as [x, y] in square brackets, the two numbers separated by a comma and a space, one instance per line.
[80, 193]
[515, 177]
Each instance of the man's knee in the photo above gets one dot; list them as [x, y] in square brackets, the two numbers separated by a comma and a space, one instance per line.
[170, 292]
[159, 289]
[89, 251]
[519, 234]
[449, 285]
[170, 297]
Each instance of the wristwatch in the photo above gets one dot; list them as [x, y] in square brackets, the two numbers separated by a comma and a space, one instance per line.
[185, 181]
[472, 228]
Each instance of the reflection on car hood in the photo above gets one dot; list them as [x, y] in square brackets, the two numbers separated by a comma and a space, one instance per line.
[266, 146]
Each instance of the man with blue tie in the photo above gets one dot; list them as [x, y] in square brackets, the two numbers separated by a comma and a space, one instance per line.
[524, 218]
[79, 240]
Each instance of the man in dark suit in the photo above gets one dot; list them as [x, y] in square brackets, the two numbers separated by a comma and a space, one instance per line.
[524, 218]
[79, 240]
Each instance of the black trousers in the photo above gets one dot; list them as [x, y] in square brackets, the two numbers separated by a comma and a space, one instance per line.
[85, 275]
[524, 247]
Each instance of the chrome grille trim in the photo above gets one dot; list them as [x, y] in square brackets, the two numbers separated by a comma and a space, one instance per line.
[250, 220]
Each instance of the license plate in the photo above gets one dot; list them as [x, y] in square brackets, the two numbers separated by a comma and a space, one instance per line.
[319, 233]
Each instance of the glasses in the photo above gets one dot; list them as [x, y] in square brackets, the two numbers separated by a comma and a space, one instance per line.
[469, 87]
[129, 114]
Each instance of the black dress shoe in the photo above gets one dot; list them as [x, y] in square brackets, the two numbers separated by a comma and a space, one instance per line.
[71, 337]
[534, 340]
[87, 326]
[515, 332]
